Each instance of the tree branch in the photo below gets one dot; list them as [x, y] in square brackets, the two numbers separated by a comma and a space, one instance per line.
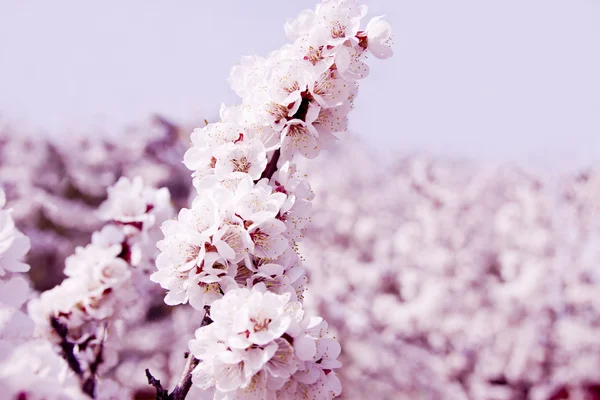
[68, 348]
[161, 394]
[271, 166]
[185, 382]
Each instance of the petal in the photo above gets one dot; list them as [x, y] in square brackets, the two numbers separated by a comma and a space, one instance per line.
[203, 376]
[305, 347]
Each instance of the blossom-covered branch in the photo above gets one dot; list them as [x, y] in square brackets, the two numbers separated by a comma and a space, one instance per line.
[105, 280]
[29, 368]
[236, 249]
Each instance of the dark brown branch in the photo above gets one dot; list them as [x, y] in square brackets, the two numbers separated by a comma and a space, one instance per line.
[301, 115]
[87, 377]
[68, 348]
[271, 166]
[185, 382]
[89, 386]
[161, 394]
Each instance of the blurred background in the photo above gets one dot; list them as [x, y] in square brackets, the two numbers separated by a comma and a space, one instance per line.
[455, 245]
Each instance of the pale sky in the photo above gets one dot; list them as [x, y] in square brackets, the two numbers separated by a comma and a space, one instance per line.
[499, 80]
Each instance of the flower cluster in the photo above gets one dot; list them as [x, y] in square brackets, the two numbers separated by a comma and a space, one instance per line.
[28, 368]
[14, 289]
[457, 279]
[34, 371]
[13, 244]
[55, 185]
[263, 346]
[230, 237]
[104, 279]
[241, 233]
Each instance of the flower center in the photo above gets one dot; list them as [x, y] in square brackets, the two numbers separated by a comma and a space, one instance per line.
[261, 325]
[277, 111]
[191, 253]
[259, 238]
[314, 55]
[324, 84]
[337, 29]
[241, 164]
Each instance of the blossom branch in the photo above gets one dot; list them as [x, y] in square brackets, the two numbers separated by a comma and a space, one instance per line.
[235, 249]
[67, 348]
[88, 376]
[89, 385]
[77, 314]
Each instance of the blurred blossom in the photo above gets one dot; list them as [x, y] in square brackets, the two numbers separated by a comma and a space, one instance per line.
[54, 187]
[440, 278]
[445, 279]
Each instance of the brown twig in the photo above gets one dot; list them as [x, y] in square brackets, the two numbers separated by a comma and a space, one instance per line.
[68, 348]
[89, 385]
[271, 166]
[161, 394]
[185, 382]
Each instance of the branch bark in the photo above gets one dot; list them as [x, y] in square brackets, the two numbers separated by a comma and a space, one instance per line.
[185, 381]
[68, 348]
[271, 166]
[161, 393]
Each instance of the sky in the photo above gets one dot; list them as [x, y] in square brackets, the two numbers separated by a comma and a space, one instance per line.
[504, 81]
